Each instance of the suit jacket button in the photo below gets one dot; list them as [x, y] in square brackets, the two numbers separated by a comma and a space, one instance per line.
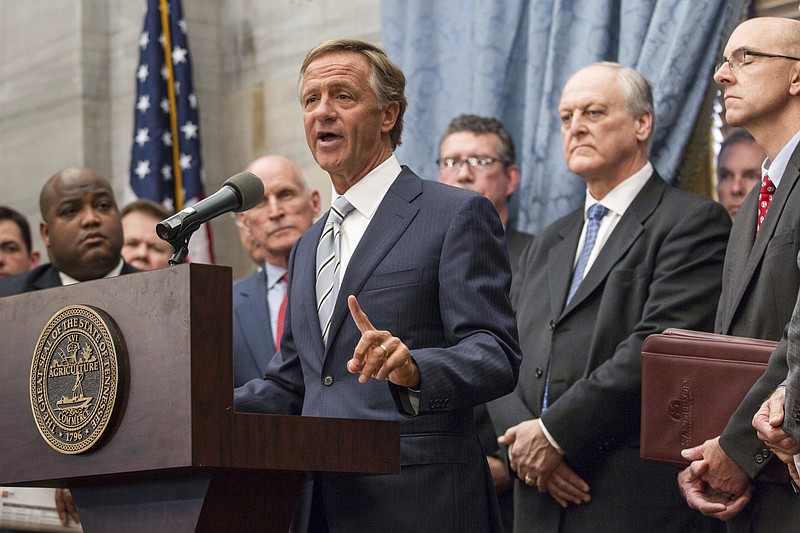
[327, 380]
[759, 458]
[538, 372]
[552, 324]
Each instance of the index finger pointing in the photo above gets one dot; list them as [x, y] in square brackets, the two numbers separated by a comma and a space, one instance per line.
[360, 317]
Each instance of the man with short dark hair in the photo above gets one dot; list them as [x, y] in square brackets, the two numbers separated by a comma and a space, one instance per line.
[81, 229]
[738, 169]
[638, 257]
[477, 153]
[16, 247]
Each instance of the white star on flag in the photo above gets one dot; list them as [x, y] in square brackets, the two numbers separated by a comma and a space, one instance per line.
[166, 138]
[192, 101]
[144, 103]
[142, 136]
[182, 25]
[142, 169]
[164, 105]
[186, 161]
[144, 40]
[142, 73]
[179, 55]
[164, 73]
[189, 130]
[166, 172]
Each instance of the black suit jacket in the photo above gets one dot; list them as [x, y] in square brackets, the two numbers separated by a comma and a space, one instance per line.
[661, 267]
[42, 277]
[759, 291]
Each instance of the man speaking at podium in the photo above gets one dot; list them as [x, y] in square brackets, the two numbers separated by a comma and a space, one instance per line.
[398, 310]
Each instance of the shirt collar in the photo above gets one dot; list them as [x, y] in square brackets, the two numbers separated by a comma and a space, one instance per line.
[367, 194]
[778, 167]
[274, 274]
[69, 280]
[621, 197]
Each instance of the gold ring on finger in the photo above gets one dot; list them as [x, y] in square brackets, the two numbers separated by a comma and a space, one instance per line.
[385, 351]
[529, 480]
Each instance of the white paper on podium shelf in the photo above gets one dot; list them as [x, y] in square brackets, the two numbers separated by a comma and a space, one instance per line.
[31, 509]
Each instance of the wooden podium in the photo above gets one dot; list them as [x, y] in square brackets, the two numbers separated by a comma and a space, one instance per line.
[178, 457]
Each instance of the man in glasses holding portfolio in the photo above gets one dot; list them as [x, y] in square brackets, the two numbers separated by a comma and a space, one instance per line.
[760, 77]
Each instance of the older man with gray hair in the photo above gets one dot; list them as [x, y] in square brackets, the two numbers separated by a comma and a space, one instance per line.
[636, 258]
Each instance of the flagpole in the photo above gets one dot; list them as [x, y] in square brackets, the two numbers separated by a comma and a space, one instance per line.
[173, 110]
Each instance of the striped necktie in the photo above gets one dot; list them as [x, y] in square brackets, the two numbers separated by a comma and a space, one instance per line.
[328, 261]
[595, 215]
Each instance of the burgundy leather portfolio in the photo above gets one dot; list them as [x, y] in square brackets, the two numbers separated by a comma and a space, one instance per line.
[692, 382]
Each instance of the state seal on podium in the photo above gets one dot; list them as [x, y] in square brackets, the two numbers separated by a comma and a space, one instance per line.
[76, 378]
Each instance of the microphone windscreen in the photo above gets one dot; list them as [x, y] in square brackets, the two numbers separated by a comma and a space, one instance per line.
[250, 189]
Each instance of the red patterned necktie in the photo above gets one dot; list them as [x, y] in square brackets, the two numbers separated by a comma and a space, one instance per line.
[282, 314]
[764, 199]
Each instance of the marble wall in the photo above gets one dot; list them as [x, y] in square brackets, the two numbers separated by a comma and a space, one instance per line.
[67, 89]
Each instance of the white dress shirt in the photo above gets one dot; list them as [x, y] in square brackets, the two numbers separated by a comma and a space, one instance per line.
[365, 196]
[276, 290]
[69, 280]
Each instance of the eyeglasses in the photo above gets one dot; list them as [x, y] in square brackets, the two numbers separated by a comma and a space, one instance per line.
[451, 164]
[738, 59]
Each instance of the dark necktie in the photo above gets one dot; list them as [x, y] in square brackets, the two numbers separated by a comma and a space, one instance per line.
[282, 313]
[328, 261]
[764, 199]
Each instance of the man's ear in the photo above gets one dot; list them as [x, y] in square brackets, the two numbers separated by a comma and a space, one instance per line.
[794, 80]
[512, 171]
[644, 125]
[43, 231]
[390, 115]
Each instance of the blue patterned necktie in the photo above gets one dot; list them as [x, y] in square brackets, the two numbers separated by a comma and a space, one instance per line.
[328, 261]
[596, 213]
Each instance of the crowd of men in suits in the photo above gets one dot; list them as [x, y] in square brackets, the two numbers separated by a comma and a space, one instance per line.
[398, 303]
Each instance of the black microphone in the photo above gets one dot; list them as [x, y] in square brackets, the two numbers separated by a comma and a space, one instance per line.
[238, 193]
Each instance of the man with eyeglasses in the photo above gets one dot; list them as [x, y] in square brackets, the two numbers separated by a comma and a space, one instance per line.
[636, 258]
[477, 153]
[760, 78]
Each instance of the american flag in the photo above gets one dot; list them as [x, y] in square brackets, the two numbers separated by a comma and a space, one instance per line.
[165, 155]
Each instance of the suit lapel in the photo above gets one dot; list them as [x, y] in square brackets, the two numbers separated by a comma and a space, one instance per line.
[621, 239]
[560, 261]
[749, 210]
[48, 278]
[254, 307]
[389, 222]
